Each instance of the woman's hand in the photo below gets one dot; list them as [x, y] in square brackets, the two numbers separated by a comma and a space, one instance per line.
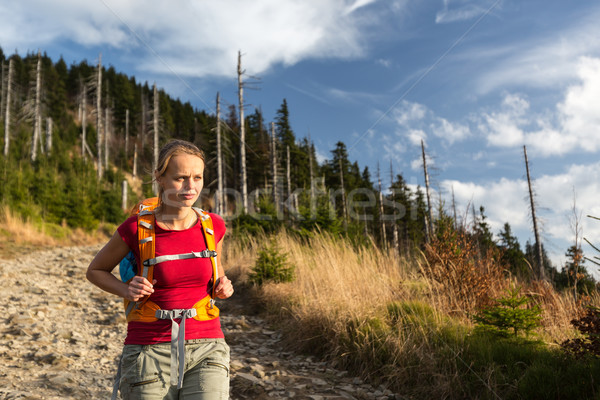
[224, 288]
[138, 288]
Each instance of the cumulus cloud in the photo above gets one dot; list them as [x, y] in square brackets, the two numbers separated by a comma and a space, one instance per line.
[449, 131]
[194, 38]
[503, 127]
[506, 200]
[415, 120]
[574, 125]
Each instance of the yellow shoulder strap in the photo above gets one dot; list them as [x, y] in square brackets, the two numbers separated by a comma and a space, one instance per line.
[209, 236]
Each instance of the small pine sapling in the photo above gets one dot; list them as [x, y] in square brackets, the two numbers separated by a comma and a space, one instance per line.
[512, 315]
[271, 266]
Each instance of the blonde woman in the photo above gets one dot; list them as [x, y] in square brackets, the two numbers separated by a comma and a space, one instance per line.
[180, 355]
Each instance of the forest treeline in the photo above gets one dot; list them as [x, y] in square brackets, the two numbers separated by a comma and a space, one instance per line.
[71, 134]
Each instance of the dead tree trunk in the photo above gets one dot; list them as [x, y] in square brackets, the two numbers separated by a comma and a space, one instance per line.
[124, 195]
[2, 89]
[126, 133]
[220, 194]
[7, 115]
[135, 159]
[396, 241]
[48, 135]
[155, 131]
[344, 209]
[313, 200]
[274, 168]
[429, 209]
[381, 222]
[454, 210]
[107, 128]
[37, 117]
[83, 121]
[288, 175]
[99, 117]
[142, 140]
[244, 178]
[538, 242]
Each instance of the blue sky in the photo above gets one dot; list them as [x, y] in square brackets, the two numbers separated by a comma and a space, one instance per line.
[476, 80]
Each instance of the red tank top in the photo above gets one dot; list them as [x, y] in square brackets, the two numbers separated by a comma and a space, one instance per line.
[179, 283]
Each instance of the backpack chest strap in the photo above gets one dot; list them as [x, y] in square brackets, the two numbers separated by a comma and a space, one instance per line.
[185, 256]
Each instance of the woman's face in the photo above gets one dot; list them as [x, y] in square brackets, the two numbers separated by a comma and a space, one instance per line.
[182, 181]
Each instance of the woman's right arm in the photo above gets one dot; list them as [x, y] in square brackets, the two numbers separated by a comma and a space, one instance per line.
[100, 272]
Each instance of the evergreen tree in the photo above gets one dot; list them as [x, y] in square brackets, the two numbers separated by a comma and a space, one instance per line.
[512, 254]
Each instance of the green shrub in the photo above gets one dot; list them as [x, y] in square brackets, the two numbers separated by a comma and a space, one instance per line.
[513, 314]
[271, 266]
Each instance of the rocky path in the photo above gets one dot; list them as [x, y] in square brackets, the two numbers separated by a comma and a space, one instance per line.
[60, 338]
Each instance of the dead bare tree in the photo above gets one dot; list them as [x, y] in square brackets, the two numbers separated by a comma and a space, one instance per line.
[454, 209]
[155, 112]
[288, 174]
[313, 198]
[276, 200]
[538, 243]
[382, 223]
[126, 133]
[244, 177]
[344, 207]
[48, 135]
[99, 129]
[2, 88]
[107, 132]
[220, 193]
[9, 85]
[577, 256]
[429, 224]
[83, 107]
[37, 117]
[395, 238]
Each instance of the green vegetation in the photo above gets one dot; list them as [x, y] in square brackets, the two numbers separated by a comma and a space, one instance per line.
[512, 315]
[271, 266]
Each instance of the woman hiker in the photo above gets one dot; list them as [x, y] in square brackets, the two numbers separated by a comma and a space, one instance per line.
[174, 348]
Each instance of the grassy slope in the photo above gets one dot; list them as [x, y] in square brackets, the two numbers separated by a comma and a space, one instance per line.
[381, 317]
[18, 235]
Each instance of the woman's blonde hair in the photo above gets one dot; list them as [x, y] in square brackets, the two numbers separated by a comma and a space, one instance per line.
[172, 148]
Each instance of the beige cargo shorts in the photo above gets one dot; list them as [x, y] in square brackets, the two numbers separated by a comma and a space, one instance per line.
[146, 371]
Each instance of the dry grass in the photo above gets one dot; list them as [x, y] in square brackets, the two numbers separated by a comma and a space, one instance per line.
[385, 316]
[19, 234]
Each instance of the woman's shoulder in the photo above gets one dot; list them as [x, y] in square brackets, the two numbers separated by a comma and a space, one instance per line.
[216, 217]
[129, 225]
[218, 224]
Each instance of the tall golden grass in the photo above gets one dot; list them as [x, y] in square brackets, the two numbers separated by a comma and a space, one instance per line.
[17, 231]
[384, 316]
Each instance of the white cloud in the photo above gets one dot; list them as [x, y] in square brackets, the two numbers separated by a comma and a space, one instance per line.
[464, 11]
[503, 127]
[415, 120]
[448, 131]
[539, 61]
[415, 136]
[507, 201]
[580, 110]
[194, 38]
[408, 113]
[574, 125]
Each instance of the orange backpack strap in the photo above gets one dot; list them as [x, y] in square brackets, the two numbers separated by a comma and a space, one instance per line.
[209, 236]
[146, 238]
